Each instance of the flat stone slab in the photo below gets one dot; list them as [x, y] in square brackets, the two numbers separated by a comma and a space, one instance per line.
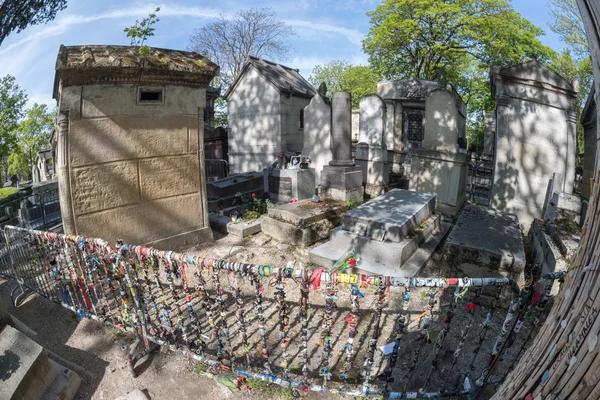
[305, 212]
[244, 229]
[388, 254]
[25, 371]
[398, 212]
[326, 254]
[487, 237]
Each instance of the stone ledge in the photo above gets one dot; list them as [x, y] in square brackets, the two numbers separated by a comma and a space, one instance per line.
[304, 213]
[385, 253]
[244, 229]
[397, 212]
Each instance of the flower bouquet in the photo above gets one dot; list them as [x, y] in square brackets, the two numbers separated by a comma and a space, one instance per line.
[347, 260]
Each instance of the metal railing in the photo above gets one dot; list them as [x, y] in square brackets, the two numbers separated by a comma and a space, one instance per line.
[216, 169]
[262, 322]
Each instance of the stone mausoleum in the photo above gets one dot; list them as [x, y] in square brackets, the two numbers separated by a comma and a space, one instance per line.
[535, 137]
[128, 161]
[427, 119]
[265, 114]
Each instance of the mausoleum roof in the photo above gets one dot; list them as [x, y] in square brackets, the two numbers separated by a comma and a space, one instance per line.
[93, 64]
[532, 72]
[285, 79]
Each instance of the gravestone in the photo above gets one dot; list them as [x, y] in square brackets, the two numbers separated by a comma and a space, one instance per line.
[283, 185]
[371, 151]
[27, 373]
[394, 234]
[341, 179]
[317, 133]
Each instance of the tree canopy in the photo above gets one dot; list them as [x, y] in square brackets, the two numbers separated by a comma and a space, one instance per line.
[12, 103]
[567, 23]
[232, 39]
[358, 80]
[422, 38]
[16, 15]
[32, 135]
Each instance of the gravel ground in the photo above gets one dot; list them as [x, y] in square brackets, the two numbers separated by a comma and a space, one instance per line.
[97, 348]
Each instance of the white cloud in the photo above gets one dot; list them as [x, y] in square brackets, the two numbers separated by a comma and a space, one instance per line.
[353, 35]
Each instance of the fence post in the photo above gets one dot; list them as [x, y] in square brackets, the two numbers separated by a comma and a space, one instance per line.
[14, 269]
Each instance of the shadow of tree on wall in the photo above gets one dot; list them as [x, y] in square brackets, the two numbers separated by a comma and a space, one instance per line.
[261, 123]
[157, 211]
[535, 148]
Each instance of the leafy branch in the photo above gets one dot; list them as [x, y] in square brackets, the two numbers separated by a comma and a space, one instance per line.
[141, 31]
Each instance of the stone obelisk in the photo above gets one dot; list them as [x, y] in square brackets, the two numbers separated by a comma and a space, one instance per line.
[342, 179]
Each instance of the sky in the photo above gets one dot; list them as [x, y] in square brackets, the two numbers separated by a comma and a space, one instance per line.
[325, 30]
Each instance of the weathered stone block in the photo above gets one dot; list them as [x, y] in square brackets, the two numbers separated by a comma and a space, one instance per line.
[169, 176]
[137, 224]
[284, 185]
[302, 223]
[317, 133]
[398, 212]
[487, 238]
[372, 120]
[115, 100]
[356, 195]
[244, 229]
[288, 233]
[25, 369]
[104, 186]
[101, 140]
[341, 177]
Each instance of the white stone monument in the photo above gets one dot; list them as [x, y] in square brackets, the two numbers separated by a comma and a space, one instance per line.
[371, 151]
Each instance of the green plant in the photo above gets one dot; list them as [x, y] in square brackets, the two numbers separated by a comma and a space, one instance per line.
[141, 31]
[352, 205]
[261, 206]
[250, 215]
[7, 192]
[200, 368]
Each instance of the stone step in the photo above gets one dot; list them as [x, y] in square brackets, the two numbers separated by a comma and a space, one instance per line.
[398, 212]
[323, 255]
[386, 253]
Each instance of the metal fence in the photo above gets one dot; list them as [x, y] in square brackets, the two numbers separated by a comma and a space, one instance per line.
[216, 169]
[281, 325]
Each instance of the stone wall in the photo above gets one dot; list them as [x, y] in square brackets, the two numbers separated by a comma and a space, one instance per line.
[133, 171]
[535, 138]
[262, 123]
[444, 123]
[255, 120]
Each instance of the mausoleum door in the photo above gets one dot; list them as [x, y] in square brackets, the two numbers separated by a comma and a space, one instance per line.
[413, 128]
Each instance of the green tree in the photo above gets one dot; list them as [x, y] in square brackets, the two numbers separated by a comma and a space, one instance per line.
[12, 103]
[330, 73]
[141, 31]
[19, 14]
[570, 68]
[567, 23]
[339, 76]
[32, 135]
[422, 38]
[359, 80]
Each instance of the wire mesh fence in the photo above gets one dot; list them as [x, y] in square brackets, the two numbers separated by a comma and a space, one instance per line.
[298, 327]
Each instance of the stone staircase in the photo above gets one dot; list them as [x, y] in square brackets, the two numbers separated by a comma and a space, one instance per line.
[412, 232]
